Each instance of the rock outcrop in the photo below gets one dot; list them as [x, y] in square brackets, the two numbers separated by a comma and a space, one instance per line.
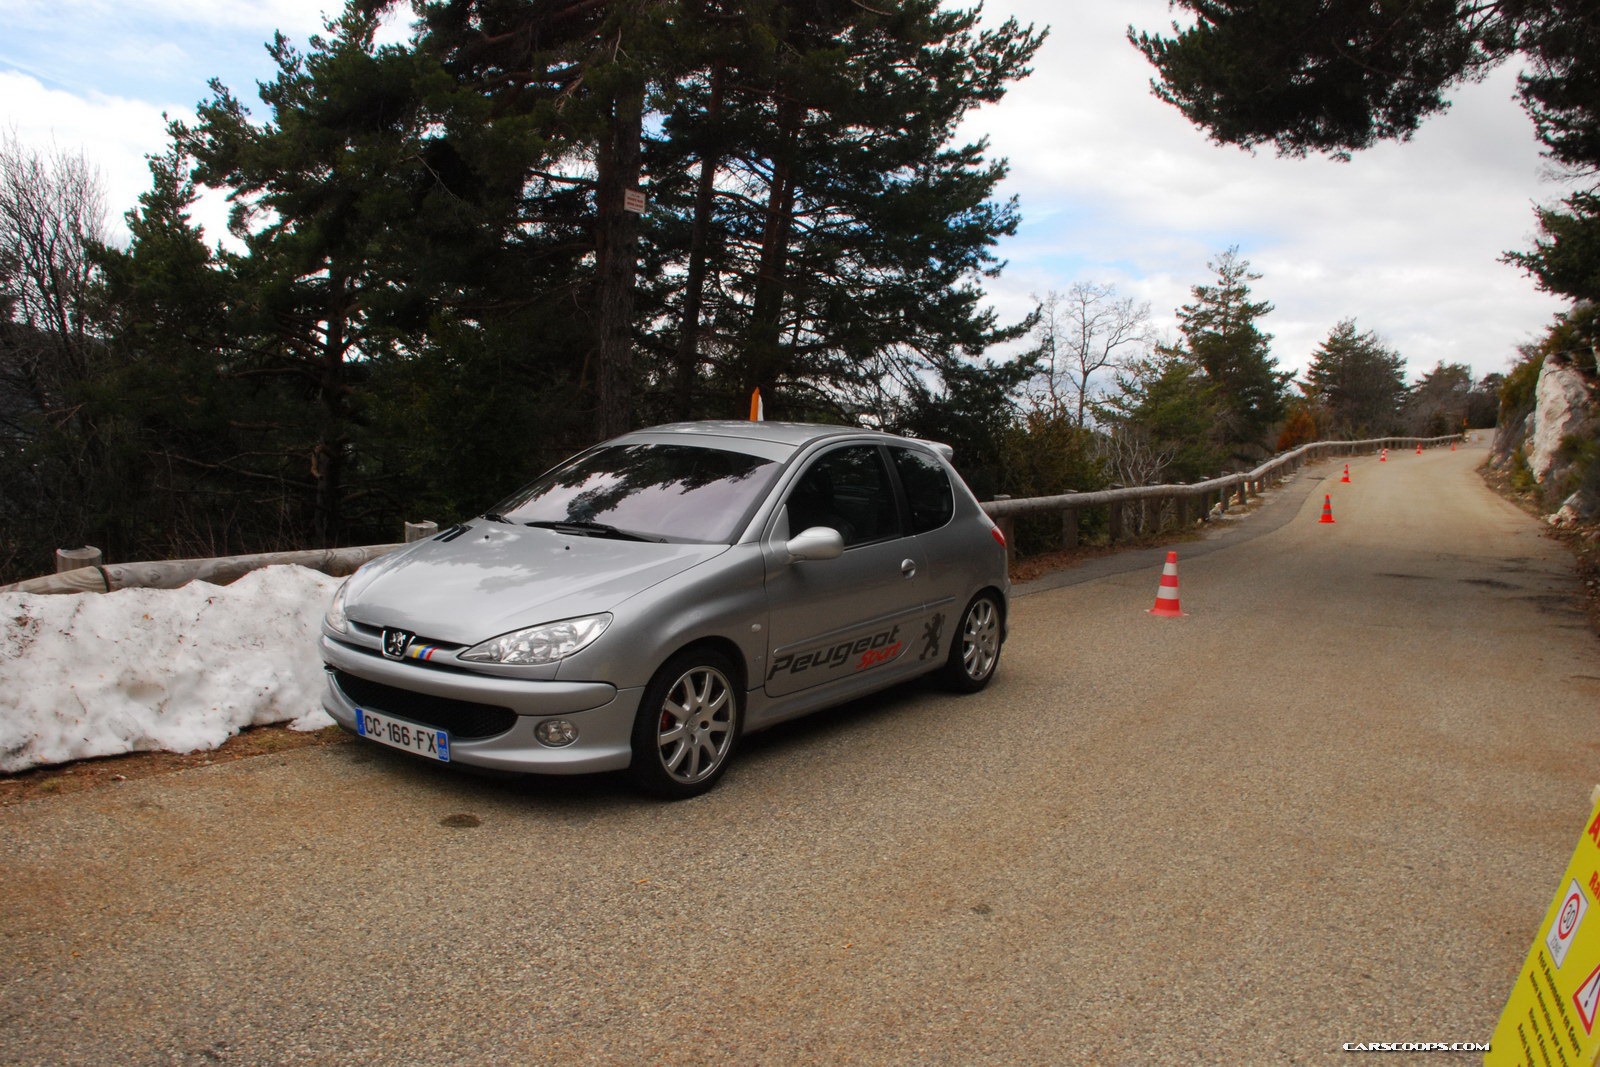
[1563, 408]
[1564, 411]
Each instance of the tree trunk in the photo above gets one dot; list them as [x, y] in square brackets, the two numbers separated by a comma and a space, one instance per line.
[327, 454]
[766, 317]
[688, 361]
[616, 262]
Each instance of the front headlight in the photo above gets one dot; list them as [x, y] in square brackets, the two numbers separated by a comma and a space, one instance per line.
[540, 644]
[334, 618]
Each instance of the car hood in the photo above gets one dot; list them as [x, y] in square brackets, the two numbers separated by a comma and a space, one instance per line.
[497, 577]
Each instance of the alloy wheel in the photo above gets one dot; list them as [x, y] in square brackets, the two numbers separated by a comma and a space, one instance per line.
[980, 639]
[695, 729]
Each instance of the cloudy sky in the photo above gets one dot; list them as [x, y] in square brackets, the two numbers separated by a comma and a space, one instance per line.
[1115, 187]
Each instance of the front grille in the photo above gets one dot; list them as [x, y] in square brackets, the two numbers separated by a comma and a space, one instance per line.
[461, 718]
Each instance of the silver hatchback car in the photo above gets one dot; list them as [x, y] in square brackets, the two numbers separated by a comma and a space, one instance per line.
[649, 601]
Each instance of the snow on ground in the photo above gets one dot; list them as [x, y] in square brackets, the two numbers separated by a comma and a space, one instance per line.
[177, 670]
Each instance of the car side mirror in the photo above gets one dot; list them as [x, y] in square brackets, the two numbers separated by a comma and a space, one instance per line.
[815, 542]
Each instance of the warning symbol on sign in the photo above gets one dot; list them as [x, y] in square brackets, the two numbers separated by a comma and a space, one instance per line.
[1586, 997]
[1565, 928]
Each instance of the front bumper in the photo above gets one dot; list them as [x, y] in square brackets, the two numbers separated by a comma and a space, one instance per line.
[603, 714]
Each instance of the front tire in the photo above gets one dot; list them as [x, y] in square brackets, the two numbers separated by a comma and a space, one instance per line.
[687, 727]
[975, 651]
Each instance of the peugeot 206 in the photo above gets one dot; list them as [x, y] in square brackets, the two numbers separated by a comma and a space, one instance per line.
[651, 600]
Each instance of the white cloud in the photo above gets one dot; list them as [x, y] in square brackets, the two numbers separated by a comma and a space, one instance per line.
[1117, 186]
[293, 17]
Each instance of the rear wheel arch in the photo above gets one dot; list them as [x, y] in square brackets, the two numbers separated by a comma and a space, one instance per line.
[1002, 601]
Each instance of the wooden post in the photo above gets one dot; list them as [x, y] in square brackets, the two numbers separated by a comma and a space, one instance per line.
[1185, 508]
[1114, 522]
[70, 559]
[1069, 528]
[416, 531]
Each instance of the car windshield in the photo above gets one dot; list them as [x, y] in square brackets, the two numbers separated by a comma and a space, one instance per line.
[655, 492]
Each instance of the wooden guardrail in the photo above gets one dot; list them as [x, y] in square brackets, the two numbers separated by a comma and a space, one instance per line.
[1186, 504]
[172, 573]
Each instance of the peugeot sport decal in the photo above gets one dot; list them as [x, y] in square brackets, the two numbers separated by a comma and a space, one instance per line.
[878, 648]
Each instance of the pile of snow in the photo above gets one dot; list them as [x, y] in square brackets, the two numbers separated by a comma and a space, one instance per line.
[176, 670]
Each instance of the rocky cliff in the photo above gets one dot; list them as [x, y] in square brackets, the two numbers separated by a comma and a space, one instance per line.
[1551, 436]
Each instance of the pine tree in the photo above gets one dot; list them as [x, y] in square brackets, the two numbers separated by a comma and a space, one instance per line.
[323, 291]
[1439, 401]
[166, 296]
[874, 226]
[1221, 338]
[1358, 381]
[1165, 421]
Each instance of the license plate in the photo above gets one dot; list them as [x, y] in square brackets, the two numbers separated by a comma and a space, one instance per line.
[397, 733]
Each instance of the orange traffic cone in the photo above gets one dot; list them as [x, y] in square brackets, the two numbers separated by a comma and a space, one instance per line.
[1327, 508]
[1167, 594]
[1452, 446]
[1383, 457]
[1346, 477]
[1419, 449]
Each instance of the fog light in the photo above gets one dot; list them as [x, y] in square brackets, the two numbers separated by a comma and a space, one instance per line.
[556, 732]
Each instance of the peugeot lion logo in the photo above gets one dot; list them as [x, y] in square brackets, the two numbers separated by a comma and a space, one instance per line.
[395, 643]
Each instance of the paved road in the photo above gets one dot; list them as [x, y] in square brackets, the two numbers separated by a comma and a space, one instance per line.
[1330, 805]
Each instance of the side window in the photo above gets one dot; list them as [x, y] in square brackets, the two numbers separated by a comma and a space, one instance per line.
[927, 489]
[848, 490]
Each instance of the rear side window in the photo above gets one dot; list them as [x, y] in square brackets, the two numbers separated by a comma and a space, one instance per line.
[846, 490]
[927, 488]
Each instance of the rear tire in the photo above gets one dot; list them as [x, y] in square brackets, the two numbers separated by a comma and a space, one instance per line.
[975, 649]
[687, 727]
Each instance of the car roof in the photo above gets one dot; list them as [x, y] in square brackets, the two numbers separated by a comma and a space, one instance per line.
[793, 434]
[782, 437]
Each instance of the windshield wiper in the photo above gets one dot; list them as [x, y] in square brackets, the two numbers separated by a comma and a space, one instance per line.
[589, 529]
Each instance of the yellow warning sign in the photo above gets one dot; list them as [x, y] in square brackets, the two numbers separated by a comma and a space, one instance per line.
[1549, 1020]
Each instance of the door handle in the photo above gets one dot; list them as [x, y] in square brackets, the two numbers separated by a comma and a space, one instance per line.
[908, 567]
